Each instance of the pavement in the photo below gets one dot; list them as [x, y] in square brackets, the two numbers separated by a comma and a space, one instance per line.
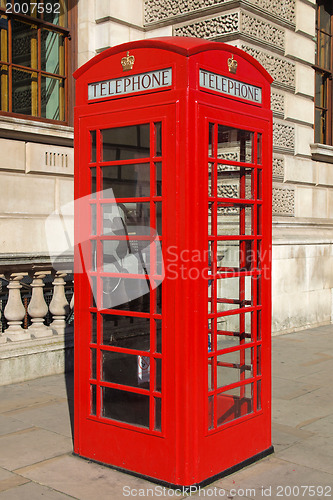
[36, 460]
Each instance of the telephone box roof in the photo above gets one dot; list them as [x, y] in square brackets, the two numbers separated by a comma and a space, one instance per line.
[186, 46]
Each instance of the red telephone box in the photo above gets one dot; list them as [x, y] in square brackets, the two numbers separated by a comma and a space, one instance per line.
[173, 142]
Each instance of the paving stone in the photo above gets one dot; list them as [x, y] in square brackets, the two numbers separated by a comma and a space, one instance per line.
[32, 491]
[284, 436]
[79, 478]
[10, 424]
[31, 446]
[53, 416]
[322, 426]
[271, 473]
[315, 452]
[19, 396]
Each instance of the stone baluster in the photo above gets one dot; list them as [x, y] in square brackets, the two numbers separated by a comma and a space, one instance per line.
[37, 308]
[59, 304]
[2, 336]
[14, 311]
[71, 304]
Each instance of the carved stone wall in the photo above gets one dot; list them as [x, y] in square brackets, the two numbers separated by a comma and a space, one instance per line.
[280, 69]
[283, 137]
[278, 168]
[283, 201]
[210, 28]
[262, 31]
[277, 103]
[162, 10]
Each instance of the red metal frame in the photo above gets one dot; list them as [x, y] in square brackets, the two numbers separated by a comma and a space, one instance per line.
[202, 431]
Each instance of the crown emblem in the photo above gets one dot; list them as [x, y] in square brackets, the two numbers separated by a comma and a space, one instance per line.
[127, 62]
[232, 64]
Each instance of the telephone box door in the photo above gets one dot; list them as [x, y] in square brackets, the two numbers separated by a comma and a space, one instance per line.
[121, 356]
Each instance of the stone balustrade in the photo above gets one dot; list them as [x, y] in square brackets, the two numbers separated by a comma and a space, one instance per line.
[26, 318]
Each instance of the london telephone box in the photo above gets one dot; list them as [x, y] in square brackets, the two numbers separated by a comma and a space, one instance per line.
[173, 155]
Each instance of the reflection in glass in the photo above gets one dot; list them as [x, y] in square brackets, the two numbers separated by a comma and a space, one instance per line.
[234, 404]
[126, 294]
[125, 406]
[126, 143]
[52, 53]
[158, 139]
[126, 331]
[234, 182]
[127, 181]
[235, 144]
[52, 90]
[234, 366]
[233, 219]
[126, 369]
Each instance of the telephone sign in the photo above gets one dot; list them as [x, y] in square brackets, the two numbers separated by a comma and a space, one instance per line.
[173, 155]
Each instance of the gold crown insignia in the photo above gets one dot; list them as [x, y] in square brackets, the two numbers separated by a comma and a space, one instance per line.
[232, 64]
[127, 62]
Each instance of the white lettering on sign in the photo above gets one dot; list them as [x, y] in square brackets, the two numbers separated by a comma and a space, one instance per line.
[228, 86]
[130, 83]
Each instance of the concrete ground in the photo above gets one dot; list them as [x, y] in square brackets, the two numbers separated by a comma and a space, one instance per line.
[36, 458]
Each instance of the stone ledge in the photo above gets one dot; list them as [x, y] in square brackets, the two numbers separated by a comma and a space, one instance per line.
[322, 152]
[29, 359]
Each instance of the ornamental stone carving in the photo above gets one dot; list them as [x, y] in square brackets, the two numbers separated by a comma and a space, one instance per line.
[283, 201]
[277, 103]
[278, 168]
[210, 28]
[159, 10]
[262, 31]
[283, 137]
[280, 69]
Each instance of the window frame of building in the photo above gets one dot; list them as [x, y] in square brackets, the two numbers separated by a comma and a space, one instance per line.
[323, 132]
[50, 92]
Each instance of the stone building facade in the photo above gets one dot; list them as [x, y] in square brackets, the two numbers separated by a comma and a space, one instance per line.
[36, 164]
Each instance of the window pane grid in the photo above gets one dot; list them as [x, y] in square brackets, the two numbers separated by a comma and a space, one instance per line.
[234, 219]
[129, 334]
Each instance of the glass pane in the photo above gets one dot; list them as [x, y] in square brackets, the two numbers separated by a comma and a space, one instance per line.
[234, 330]
[211, 334]
[158, 139]
[211, 374]
[234, 367]
[93, 400]
[158, 416]
[259, 360]
[320, 126]
[93, 363]
[24, 86]
[126, 143]
[211, 139]
[158, 301]
[125, 406]
[126, 369]
[211, 412]
[4, 87]
[158, 173]
[259, 395]
[321, 90]
[93, 254]
[24, 44]
[126, 294]
[126, 331]
[324, 47]
[52, 97]
[210, 179]
[158, 329]
[259, 149]
[234, 404]
[259, 184]
[93, 290]
[93, 182]
[126, 256]
[158, 379]
[234, 182]
[234, 255]
[126, 219]
[93, 219]
[55, 12]
[325, 13]
[158, 222]
[93, 328]
[234, 219]
[127, 181]
[93, 145]
[235, 144]
[52, 52]
[233, 293]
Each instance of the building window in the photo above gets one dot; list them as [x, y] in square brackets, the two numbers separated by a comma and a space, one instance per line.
[323, 85]
[34, 58]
